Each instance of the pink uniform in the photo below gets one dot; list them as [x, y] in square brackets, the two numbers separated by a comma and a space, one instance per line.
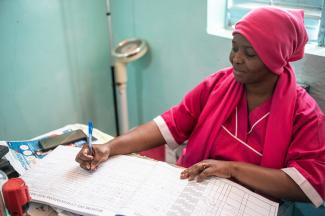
[285, 132]
[242, 135]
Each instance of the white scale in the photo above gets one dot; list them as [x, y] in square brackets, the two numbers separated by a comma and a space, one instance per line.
[125, 52]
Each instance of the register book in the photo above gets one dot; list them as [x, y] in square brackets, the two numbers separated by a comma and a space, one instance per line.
[130, 185]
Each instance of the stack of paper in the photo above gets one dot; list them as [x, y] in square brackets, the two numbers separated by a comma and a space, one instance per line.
[132, 185]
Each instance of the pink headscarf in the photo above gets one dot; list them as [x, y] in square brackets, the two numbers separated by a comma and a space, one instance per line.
[278, 36]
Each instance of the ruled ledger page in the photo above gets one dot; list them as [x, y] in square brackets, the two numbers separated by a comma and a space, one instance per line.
[132, 185]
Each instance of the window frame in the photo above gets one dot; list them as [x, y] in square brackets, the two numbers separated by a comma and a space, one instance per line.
[216, 19]
[236, 9]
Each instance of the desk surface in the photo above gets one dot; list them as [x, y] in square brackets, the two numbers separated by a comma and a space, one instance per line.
[44, 210]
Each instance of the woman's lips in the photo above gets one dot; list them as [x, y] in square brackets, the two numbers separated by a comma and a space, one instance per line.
[237, 72]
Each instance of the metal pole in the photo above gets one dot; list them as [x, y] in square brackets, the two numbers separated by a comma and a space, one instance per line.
[110, 44]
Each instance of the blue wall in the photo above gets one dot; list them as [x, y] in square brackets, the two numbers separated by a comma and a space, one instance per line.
[54, 66]
[181, 52]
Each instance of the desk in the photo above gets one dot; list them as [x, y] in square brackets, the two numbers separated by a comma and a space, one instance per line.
[44, 210]
[156, 189]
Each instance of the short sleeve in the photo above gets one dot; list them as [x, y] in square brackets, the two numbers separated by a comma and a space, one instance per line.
[181, 119]
[306, 154]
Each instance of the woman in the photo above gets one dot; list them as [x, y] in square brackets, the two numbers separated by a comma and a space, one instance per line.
[249, 122]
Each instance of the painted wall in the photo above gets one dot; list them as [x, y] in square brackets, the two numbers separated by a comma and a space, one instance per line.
[181, 52]
[54, 66]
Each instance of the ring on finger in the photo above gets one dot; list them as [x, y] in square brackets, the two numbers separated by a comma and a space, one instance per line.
[203, 167]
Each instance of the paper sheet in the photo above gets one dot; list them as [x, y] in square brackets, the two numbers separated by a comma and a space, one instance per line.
[131, 185]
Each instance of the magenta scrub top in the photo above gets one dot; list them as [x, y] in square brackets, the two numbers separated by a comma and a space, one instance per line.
[242, 136]
[286, 132]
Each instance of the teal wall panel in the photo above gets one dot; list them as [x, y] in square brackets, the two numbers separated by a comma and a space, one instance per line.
[54, 65]
[181, 52]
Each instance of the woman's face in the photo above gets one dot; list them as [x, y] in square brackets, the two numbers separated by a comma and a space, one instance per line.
[248, 67]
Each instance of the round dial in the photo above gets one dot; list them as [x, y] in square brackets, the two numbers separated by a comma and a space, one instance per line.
[130, 50]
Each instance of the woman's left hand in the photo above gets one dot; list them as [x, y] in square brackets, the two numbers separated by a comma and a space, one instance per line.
[208, 168]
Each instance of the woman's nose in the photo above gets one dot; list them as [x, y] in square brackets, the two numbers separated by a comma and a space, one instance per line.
[238, 58]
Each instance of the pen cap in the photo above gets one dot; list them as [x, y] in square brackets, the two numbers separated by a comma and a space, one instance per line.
[16, 196]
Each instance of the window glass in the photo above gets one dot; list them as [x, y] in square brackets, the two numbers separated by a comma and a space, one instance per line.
[313, 10]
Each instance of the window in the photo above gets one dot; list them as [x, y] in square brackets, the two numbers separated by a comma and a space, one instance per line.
[314, 14]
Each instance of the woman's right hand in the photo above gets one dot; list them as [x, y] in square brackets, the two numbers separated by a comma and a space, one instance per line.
[101, 153]
[143, 137]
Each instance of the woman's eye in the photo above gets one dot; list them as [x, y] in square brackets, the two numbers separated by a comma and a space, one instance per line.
[250, 53]
[234, 49]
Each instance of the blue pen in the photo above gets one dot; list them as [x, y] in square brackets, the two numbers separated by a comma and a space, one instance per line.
[90, 134]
